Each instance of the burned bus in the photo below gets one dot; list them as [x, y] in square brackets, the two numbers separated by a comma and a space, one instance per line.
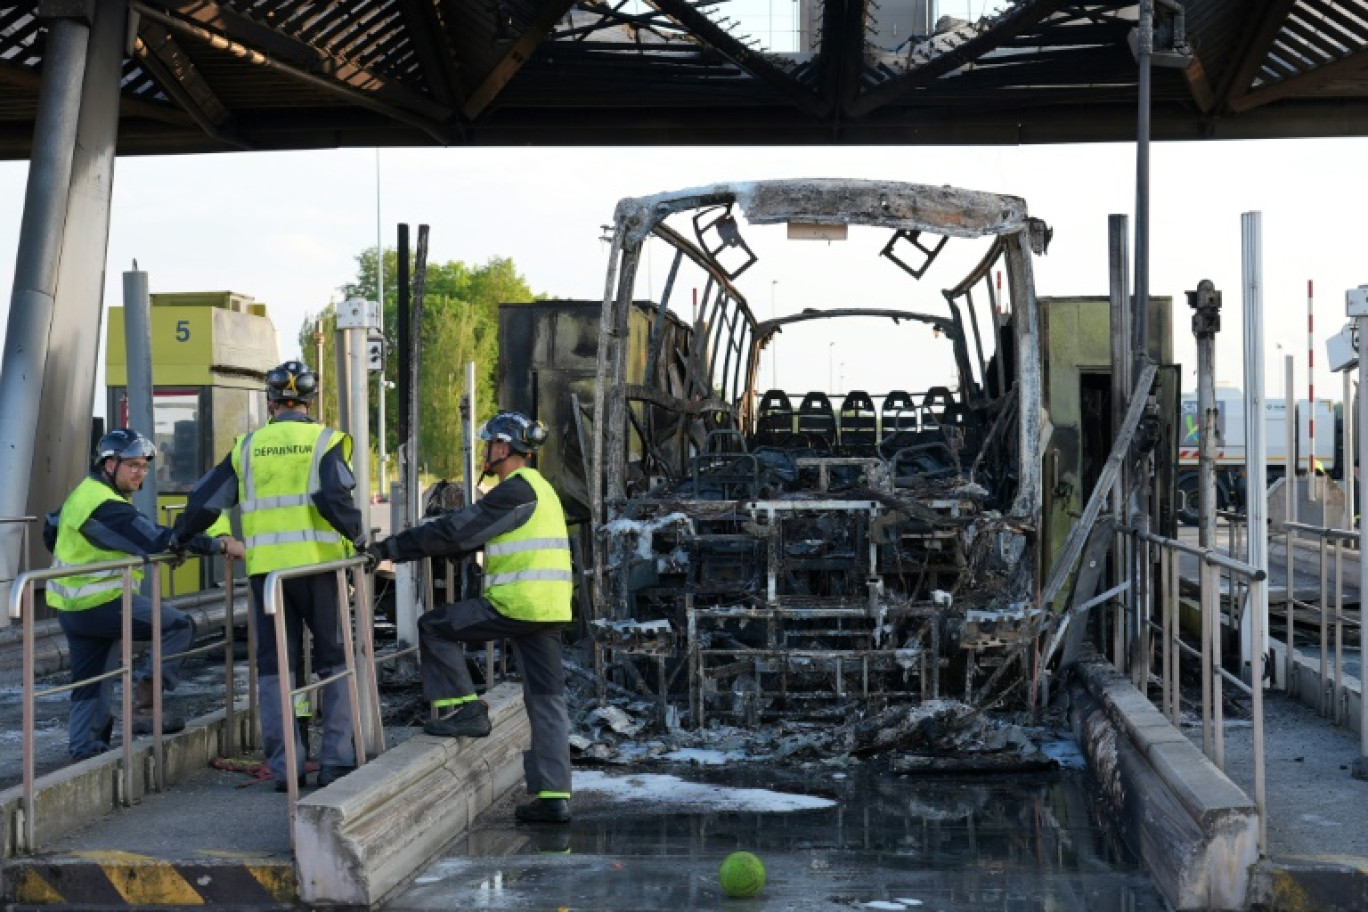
[761, 553]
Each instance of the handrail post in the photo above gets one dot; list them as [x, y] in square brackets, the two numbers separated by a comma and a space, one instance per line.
[1289, 662]
[1340, 697]
[158, 749]
[1217, 663]
[349, 651]
[26, 613]
[1323, 701]
[1256, 668]
[230, 736]
[1174, 638]
[253, 696]
[1206, 574]
[127, 656]
[271, 594]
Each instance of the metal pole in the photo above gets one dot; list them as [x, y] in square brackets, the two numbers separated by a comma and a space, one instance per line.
[36, 266]
[1349, 449]
[138, 342]
[472, 479]
[380, 325]
[1206, 323]
[1121, 385]
[1290, 497]
[1357, 306]
[1312, 494]
[353, 320]
[1145, 33]
[1256, 453]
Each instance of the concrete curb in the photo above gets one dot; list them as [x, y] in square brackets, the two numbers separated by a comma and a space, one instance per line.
[363, 837]
[1323, 883]
[117, 880]
[1195, 830]
[71, 797]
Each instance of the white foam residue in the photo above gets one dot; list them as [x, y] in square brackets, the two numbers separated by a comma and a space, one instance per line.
[704, 757]
[881, 904]
[671, 790]
[909, 902]
[1066, 753]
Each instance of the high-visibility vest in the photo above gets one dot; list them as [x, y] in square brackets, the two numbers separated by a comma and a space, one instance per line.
[85, 590]
[277, 470]
[527, 570]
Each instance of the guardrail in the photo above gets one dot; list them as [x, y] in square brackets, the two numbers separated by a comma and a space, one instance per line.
[1334, 697]
[272, 594]
[21, 608]
[1211, 564]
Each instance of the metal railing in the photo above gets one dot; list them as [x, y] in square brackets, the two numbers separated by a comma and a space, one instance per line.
[1211, 563]
[1333, 699]
[272, 595]
[21, 608]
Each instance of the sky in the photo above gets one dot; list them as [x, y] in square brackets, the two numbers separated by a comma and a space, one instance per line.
[286, 228]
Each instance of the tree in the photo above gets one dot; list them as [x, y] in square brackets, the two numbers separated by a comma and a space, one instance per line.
[460, 324]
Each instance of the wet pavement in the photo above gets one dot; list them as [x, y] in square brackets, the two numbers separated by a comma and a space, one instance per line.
[879, 841]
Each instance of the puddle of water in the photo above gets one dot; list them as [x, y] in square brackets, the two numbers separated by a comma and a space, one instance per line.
[1013, 844]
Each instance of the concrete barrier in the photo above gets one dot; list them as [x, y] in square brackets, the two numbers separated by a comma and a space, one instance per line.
[1343, 705]
[1195, 830]
[362, 838]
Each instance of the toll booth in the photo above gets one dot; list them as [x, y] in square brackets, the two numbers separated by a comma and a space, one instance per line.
[1077, 369]
[210, 355]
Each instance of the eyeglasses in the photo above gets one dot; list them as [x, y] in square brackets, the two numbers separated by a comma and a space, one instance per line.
[137, 468]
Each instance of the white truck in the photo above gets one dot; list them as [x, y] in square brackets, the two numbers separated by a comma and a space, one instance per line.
[1230, 447]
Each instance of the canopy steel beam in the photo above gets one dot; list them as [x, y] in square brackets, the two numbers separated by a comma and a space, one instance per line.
[228, 30]
[518, 53]
[753, 62]
[159, 54]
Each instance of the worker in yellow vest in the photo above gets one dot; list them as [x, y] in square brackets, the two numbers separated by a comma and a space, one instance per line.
[527, 579]
[98, 523]
[293, 481]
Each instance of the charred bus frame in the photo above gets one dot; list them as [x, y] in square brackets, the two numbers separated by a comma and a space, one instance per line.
[767, 575]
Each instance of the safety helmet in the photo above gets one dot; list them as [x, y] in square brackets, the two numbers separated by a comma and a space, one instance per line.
[521, 433]
[291, 382]
[123, 443]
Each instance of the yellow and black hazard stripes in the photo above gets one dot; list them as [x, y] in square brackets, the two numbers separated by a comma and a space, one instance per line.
[126, 879]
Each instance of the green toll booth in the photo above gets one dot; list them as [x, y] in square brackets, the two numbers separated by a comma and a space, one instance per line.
[210, 355]
[1078, 403]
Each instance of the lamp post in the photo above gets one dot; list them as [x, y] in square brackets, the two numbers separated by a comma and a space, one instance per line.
[831, 368]
[774, 355]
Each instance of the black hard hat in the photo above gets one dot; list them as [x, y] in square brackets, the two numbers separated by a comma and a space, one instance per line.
[291, 382]
[124, 443]
[517, 430]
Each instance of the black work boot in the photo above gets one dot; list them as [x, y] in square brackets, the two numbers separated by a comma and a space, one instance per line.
[469, 720]
[142, 711]
[544, 810]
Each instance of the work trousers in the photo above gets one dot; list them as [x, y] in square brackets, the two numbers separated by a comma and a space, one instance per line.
[536, 646]
[93, 638]
[307, 601]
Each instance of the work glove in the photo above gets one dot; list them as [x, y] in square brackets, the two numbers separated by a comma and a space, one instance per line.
[374, 552]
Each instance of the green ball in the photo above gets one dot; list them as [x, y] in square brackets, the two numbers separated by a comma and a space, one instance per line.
[741, 875]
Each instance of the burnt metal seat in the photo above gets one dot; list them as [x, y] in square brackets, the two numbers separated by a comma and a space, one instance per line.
[774, 420]
[898, 418]
[858, 423]
[935, 403]
[817, 423]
